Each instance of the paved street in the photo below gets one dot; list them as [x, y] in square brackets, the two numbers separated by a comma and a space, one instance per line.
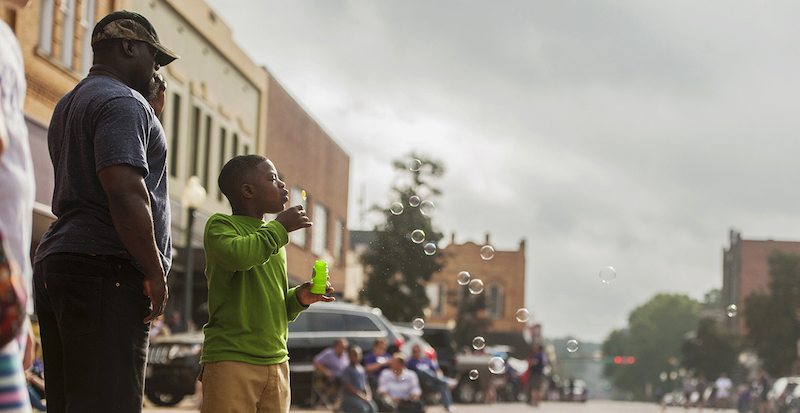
[599, 406]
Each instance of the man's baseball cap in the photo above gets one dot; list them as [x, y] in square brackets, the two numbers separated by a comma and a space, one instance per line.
[129, 25]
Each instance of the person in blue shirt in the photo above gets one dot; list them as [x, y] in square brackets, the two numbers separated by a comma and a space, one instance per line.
[430, 376]
[356, 394]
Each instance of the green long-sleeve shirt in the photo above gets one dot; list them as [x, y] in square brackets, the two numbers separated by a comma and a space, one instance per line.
[249, 300]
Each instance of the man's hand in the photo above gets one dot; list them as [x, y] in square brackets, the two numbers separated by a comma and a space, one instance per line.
[155, 287]
[294, 218]
[306, 297]
[157, 102]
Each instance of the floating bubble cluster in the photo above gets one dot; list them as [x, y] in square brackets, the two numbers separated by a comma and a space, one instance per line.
[608, 274]
[478, 343]
[414, 165]
[572, 346]
[417, 236]
[523, 315]
[473, 374]
[413, 201]
[732, 310]
[418, 324]
[476, 286]
[427, 207]
[429, 248]
[463, 278]
[497, 365]
[487, 252]
[396, 208]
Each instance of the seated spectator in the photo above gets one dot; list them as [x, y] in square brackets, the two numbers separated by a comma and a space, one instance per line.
[430, 376]
[376, 362]
[35, 377]
[356, 394]
[332, 361]
[398, 388]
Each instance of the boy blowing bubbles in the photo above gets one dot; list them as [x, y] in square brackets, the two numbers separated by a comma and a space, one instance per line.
[245, 360]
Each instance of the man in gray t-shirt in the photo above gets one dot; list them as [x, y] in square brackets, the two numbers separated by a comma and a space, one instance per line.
[100, 269]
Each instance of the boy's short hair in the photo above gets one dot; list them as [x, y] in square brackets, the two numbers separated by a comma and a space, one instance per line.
[400, 357]
[235, 171]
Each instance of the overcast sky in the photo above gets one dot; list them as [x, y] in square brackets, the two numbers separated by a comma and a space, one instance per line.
[632, 134]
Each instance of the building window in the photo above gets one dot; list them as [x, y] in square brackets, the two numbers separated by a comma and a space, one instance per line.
[436, 296]
[496, 301]
[222, 159]
[235, 145]
[298, 237]
[207, 154]
[87, 25]
[319, 238]
[195, 141]
[67, 32]
[176, 123]
[338, 241]
[46, 27]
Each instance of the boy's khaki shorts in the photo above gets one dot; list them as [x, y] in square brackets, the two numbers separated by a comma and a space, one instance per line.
[238, 387]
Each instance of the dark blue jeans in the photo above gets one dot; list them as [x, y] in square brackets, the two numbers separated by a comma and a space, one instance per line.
[94, 343]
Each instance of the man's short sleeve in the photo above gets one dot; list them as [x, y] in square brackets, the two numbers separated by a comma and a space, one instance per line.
[121, 135]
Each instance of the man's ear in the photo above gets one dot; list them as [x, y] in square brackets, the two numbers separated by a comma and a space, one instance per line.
[247, 191]
[127, 47]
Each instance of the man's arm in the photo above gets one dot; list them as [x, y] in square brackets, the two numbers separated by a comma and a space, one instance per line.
[129, 204]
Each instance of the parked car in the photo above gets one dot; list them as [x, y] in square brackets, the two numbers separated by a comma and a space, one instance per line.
[320, 325]
[781, 395]
[173, 364]
[173, 361]
[442, 339]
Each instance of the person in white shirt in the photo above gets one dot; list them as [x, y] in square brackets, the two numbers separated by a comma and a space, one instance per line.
[723, 385]
[398, 388]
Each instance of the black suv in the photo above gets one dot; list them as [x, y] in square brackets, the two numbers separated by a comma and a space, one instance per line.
[173, 361]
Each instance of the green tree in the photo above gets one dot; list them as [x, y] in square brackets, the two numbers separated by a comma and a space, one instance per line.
[397, 268]
[654, 335]
[711, 350]
[772, 318]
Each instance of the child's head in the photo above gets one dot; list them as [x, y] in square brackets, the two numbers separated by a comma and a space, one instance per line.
[250, 182]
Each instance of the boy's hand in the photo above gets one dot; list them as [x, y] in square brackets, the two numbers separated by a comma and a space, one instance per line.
[306, 297]
[293, 218]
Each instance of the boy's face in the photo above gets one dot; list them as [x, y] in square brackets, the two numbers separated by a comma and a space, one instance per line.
[354, 355]
[270, 193]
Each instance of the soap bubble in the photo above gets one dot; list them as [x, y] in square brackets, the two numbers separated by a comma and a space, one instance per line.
[396, 208]
[429, 248]
[487, 252]
[473, 374]
[732, 310]
[414, 165]
[476, 286]
[607, 275]
[413, 201]
[572, 346]
[478, 343]
[418, 324]
[663, 376]
[523, 315]
[427, 207]
[463, 278]
[417, 236]
[497, 365]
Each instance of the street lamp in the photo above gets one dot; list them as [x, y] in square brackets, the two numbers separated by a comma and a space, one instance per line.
[192, 197]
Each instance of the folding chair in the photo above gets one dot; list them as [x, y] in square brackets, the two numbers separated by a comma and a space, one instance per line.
[325, 391]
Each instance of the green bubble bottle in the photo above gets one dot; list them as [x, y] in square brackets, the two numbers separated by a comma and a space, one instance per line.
[320, 278]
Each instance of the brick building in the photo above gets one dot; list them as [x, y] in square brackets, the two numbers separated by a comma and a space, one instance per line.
[745, 270]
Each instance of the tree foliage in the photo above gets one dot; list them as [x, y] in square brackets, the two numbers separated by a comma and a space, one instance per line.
[772, 318]
[654, 335]
[398, 269]
[711, 350]
[470, 320]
